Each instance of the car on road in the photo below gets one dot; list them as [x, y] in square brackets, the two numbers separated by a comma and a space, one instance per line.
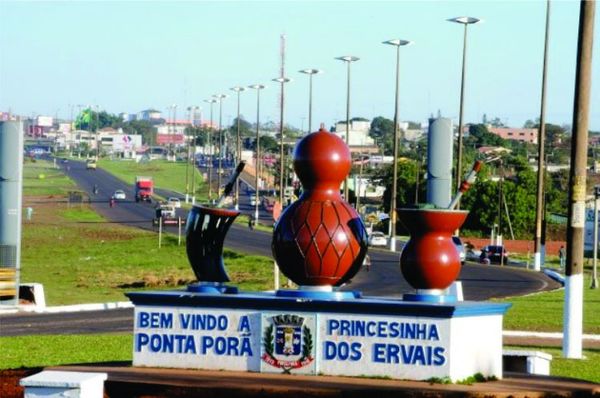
[495, 253]
[167, 211]
[91, 164]
[175, 202]
[119, 195]
[377, 239]
[461, 249]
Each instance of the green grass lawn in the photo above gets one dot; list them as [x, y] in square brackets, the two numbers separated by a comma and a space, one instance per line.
[544, 311]
[40, 351]
[166, 175]
[90, 260]
[40, 178]
[586, 368]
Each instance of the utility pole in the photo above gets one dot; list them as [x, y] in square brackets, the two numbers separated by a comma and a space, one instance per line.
[539, 208]
[573, 309]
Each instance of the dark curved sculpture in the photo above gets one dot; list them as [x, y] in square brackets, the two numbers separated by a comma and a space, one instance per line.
[205, 232]
[430, 259]
[320, 239]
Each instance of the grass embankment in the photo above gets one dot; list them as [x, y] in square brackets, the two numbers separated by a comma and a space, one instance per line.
[166, 175]
[544, 311]
[41, 178]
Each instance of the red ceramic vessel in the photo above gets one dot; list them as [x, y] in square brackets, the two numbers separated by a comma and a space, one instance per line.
[430, 259]
[320, 239]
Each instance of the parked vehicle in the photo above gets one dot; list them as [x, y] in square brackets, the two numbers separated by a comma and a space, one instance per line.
[461, 249]
[119, 194]
[144, 188]
[175, 202]
[378, 239]
[494, 254]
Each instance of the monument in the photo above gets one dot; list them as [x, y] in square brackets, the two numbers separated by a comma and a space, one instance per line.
[319, 242]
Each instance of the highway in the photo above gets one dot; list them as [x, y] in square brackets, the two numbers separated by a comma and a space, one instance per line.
[384, 278]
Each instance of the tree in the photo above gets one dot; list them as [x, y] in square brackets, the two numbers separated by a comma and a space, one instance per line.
[382, 130]
[269, 144]
[479, 135]
[245, 127]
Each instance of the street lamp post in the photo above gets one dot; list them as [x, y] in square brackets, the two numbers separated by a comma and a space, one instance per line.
[348, 59]
[282, 81]
[210, 146]
[539, 206]
[238, 146]
[257, 87]
[193, 191]
[310, 73]
[191, 110]
[220, 98]
[466, 21]
[392, 226]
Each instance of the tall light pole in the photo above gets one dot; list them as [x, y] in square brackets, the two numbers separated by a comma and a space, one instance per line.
[348, 59]
[193, 109]
[310, 73]
[539, 206]
[257, 87]
[573, 309]
[220, 98]
[392, 226]
[466, 21]
[238, 146]
[210, 146]
[282, 81]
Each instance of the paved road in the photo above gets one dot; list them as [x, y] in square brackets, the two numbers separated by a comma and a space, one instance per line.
[384, 279]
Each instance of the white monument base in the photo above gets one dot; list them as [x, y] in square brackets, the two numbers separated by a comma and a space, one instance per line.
[259, 332]
[56, 384]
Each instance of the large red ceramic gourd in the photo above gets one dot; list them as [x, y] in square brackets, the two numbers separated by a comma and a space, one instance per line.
[430, 259]
[320, 239]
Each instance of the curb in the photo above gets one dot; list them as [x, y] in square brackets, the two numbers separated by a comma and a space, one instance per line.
[67, 308]
[545, 335]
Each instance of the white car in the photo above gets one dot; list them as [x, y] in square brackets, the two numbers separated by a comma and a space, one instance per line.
[378, 239]
[119, 195]
[175, 202]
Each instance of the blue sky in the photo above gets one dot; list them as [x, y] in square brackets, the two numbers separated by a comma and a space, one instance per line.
[129, 56]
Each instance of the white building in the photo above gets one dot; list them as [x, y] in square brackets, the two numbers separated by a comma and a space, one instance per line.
[358, 135]
[149, 114]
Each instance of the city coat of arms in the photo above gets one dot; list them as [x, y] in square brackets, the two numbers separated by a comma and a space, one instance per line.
[287, 343]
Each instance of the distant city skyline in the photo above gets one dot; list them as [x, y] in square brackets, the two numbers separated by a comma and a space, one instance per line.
[131, 56]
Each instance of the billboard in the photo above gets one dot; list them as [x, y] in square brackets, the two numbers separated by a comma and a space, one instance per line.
[177, 139]
[126, 142]
[45, 121]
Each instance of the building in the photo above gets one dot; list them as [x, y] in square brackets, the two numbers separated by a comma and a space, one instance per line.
[359, 140]
[518, 134]
[149, 114]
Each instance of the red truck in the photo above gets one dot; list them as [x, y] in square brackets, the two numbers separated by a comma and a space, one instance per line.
[144, 188]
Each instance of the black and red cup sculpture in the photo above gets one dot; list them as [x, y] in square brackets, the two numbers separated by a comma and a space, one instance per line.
[320, 240]
[430, 261]
[205, 232]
